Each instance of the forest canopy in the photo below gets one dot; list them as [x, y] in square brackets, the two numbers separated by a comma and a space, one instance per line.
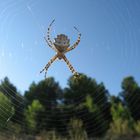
[84, 109]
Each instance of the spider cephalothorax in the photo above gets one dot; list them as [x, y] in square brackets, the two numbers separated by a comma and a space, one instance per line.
[61, 46]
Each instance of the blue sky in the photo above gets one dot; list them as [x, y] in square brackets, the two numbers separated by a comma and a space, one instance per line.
[109, 49]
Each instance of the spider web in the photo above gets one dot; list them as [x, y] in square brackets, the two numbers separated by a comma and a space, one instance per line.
[128, 54]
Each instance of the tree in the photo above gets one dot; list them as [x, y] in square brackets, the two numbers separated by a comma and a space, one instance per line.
[48, 92]
[131, 96]
[90, 103]
[122, 123]
[6, 110]
[78, 89]
[32, 115]
[9, 90]
[76, 130]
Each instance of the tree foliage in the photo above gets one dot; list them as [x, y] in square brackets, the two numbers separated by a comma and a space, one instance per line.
[82, 110]
[9, 90]
[32, 113]
[6, 110]
[47, 92]
[90, 102]
[131, 96]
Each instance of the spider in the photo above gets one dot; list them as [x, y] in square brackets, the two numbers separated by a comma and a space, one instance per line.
[61, 45]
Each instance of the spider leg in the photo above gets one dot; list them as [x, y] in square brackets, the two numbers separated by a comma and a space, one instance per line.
[48, 39]
[76, 43]
[48, 33]
[45, 74]
[70, 66]
[48, 65]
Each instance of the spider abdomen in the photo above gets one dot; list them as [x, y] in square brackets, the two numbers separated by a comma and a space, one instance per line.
[62, 42]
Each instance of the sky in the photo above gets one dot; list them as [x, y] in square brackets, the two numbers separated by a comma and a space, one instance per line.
[109, 49]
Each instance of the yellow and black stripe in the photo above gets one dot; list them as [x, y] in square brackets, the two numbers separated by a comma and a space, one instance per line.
[69, 65]
[48, 65]
[48, 38]
[76, 43]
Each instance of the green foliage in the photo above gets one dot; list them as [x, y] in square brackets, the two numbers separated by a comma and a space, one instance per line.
[79, 88]
[31, 114]
[129, 83]
[122, 124]
[9, 90]
[76, 130]
[91, 99]
[6, 110]
[45, 90]
[82, 110]
[137, 127]
[119, 111]
[131, 96]
[89, 103]
[121, 127]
